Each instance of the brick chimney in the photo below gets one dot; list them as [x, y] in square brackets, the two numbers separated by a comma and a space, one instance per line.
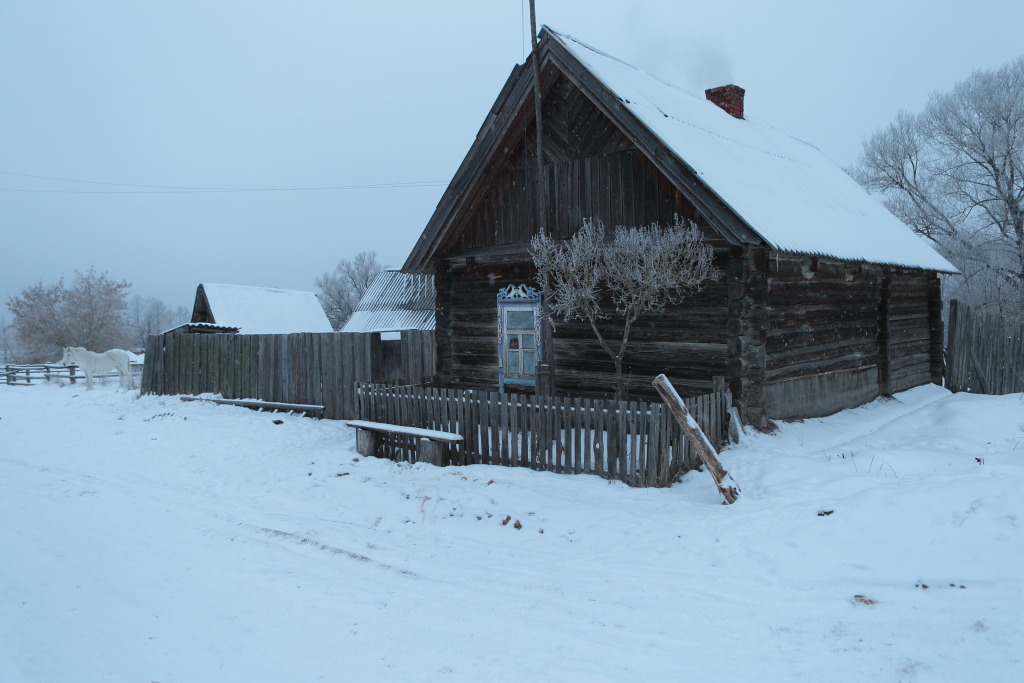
[729, 98]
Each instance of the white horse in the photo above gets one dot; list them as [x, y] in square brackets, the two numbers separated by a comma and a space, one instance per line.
[91, 363]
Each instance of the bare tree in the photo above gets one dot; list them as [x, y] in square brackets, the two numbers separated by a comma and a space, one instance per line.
[641, 269]
[90, 313]
[955, 174]
[341, 289]
[153, 316]
[8, 350]
[38, 326]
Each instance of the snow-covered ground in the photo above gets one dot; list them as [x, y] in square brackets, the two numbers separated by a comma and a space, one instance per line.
[146, 539]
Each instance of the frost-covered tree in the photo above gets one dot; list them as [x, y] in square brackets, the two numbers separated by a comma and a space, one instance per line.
[955, 173]
[153, 316]
[641, 270]
[90, 313]
[341, 289]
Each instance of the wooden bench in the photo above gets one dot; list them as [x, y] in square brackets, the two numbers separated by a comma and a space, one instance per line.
[433, 445]
[256, 404]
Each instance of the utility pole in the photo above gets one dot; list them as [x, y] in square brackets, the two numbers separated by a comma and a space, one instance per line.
[545, 378]
[542, 186]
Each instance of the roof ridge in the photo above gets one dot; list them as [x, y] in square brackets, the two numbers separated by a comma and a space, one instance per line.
[590, 47]
[566, 36]
[261, 287]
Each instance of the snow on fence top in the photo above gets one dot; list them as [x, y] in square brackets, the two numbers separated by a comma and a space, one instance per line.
[785, 189]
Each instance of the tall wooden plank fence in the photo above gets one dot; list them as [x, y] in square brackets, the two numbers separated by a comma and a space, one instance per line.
[984, 353]
[307, 368]
[632, 441]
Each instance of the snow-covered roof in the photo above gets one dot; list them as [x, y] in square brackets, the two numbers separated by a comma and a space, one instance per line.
[395, 301]
[786, 190]
[263, 310]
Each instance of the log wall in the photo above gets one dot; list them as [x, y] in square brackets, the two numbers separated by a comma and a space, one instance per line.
[747, 332]
[822, 346]
[824, 317]
[841, 333]
[688, 342]
[911, 330]
[795, 336]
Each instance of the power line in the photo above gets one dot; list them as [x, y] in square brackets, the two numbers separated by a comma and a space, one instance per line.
[185, 189]
[236, 190]
[100, 182]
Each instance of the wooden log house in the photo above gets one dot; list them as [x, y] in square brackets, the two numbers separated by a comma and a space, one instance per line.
[826, 300]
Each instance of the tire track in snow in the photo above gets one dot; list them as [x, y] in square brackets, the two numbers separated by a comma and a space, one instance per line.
[334, 550]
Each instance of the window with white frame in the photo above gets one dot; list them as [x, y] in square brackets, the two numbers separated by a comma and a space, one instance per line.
[519, 348]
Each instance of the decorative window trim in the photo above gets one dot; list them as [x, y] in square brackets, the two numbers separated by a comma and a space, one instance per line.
[512, 298]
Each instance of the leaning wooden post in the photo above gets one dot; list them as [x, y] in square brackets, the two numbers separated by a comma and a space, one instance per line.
[730, 491]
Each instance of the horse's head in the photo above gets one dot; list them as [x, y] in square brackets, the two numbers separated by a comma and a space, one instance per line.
[69, 355]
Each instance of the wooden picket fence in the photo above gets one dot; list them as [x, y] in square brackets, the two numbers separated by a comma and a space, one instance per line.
[984, 353]
[631, 441]
[307, 368]
[26, 375]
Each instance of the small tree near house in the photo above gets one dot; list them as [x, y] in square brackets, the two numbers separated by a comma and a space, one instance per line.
[641, 269]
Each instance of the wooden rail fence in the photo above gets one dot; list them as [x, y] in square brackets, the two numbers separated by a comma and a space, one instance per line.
[26, 375]
[319, 369]
[632, 441]
[984, 353]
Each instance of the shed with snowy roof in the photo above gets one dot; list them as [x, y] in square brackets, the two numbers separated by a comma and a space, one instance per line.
[201, 328]
[259, 310]
[393, 302]
[827, 299]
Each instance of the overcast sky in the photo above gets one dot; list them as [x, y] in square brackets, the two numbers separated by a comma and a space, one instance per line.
[113, 112]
